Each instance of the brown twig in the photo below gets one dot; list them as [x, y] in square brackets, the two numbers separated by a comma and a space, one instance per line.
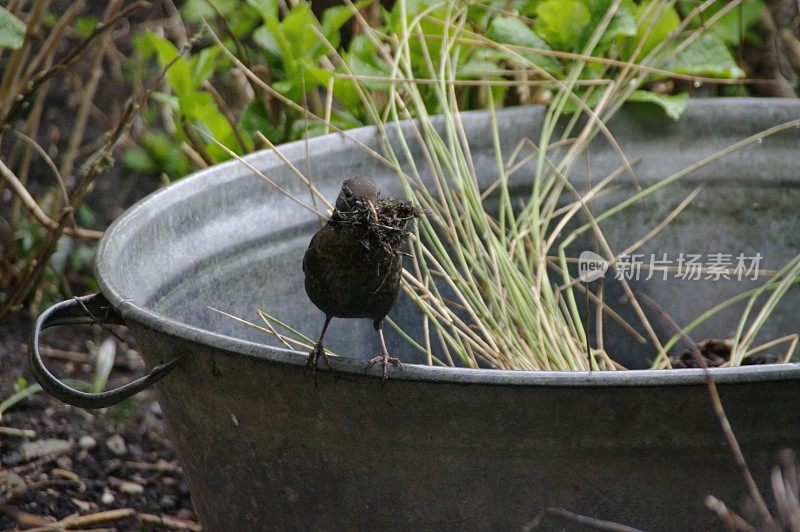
[32, 124]
[733, 521]
[22, 193]
[173, 523]
[13, 69]
[20, 433]
[226, 112]
[24, 519]
[35, 464]
[75, 357]
[37, 80]
[34, 270]
[100, 162]
[90, 88]
[195, 141]
[75, 522]
[716, 403]
[161, 466]
[591, 522]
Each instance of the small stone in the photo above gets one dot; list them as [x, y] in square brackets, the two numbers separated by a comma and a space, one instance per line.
[64, 462]
[84, 506]
[36, 449]
[11, 459]
[87, 442]
[116, 444]
[12, 486]
[107, 498]
[167, 502]
[131, 488]
[135, 450]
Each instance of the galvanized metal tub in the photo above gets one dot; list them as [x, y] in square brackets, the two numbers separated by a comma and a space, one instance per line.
[264, 448]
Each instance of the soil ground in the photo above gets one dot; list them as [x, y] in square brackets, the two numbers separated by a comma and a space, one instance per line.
[117, 458]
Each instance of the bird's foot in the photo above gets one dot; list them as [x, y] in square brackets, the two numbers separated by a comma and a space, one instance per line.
[384, 360]
[313, 358]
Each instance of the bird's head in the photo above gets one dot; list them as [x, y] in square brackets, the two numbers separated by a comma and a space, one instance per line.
[358, 187]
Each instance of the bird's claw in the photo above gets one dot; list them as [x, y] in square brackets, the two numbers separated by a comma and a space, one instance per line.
[313, 358]
[385, 360]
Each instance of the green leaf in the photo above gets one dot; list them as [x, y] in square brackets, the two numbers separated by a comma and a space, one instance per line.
[314, 76]
[202, 112]
[297, 29]
[285, 48]
[623, 23]
[360, 67]
[138, 160]
[344, 120]
[363, 60]
[510, 30]
[345, 93]
[157, 153]
[243, 21]
[255, 118]
[82, 257]
[673, 105]
[589, 101]
[475, 68]
[104, 361]
[12, 30]
[203, 65]
[302, 129]
[167, 99]
[562, 23]
[742, 18]
[264, 39]
[285, 87]
[656, 23]
[241, 18]
[19, 396]
[265, 8]
[412, 8]
[86, 216]
[21, 384]
[84, 26]
[179, 75]
[197, 10]
[707, 56]
[332, 21]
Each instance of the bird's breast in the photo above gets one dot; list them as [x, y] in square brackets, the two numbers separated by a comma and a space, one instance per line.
[348, 278]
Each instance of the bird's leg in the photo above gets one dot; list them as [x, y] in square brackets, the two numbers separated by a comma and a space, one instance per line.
[384, 357]
[318, 351]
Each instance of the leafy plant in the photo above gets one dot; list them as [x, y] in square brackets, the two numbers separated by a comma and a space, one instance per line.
[310, 71]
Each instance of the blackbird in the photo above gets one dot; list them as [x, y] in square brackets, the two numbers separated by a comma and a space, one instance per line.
[349, 271]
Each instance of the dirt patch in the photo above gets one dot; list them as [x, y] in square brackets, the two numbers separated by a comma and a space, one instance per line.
[717, 352]
[57, 461]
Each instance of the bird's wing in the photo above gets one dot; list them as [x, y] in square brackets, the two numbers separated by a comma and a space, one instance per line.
[307, 256]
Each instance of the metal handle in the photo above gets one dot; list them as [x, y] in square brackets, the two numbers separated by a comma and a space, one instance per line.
[93, 309]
